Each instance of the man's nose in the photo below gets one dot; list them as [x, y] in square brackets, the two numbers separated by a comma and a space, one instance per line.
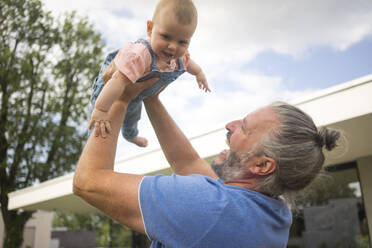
[231, 126]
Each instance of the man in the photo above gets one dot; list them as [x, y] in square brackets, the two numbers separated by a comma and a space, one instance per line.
[274, 151]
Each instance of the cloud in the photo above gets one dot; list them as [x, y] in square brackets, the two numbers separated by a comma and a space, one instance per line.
[242, 29]
[250, 92]
[238, 30]
[117, 20]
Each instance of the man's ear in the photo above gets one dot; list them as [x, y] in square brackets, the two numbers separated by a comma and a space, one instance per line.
[149, 27]
[263, 166]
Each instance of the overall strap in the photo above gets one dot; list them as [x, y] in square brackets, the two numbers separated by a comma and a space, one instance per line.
[153, 56]
[180, 65]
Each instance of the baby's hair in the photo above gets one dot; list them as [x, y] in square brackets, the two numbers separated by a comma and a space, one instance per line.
[184, 10]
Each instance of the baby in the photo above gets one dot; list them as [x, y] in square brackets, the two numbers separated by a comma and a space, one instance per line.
[163, 55]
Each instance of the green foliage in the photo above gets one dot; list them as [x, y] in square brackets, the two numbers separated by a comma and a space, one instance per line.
[46, 69]
[109, 233]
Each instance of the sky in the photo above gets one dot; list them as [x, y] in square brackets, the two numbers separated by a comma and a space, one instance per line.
[253, 52]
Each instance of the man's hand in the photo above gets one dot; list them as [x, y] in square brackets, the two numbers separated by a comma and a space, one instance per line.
[101, 123]
[100, 118]
[202, 81]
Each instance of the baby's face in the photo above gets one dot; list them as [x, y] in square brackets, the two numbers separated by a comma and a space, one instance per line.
[169, 38]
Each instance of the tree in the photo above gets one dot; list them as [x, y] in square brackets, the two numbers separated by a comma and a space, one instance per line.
[46, 69]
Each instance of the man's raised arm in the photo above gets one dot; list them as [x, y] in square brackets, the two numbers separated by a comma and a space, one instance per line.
[179, 152]
[116, 194]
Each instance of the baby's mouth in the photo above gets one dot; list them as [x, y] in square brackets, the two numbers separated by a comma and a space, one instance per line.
[168, 55]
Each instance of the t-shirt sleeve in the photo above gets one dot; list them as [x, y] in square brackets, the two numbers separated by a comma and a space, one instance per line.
[186, 59]
[179, 210]
[133, 60]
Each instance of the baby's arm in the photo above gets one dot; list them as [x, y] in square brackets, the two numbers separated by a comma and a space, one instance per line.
[194, 69]
[109, 72]
[112, 90]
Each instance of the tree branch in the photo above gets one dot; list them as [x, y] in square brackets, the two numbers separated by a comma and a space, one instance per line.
[65, 113]
[24, 135]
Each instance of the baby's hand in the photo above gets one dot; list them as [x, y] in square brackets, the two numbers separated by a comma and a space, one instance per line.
[100, 121]
[202, 81]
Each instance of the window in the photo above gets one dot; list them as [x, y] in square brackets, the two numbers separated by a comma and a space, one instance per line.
[331, 212]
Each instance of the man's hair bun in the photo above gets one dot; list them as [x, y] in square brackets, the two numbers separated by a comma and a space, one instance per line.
[328, 137]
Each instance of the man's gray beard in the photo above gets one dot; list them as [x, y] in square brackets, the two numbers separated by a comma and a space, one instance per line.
[230, 168]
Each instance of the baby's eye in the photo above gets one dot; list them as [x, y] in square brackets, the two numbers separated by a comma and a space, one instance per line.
[165, 36]
[183, 42]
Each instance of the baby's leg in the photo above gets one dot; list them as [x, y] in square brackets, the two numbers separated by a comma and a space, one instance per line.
[139, 141]
[129, 128]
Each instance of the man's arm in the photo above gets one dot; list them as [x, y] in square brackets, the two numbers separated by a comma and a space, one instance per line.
[179, 152]
[116, 194]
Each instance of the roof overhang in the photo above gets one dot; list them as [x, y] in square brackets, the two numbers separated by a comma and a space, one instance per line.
[347, 106]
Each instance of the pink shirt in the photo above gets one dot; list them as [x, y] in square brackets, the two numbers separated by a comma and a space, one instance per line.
[134, 61]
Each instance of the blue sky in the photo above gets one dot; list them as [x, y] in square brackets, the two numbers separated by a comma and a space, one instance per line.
[321, 68]
[253, 52]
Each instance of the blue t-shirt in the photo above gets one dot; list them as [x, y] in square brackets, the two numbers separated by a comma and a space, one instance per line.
[198, 211]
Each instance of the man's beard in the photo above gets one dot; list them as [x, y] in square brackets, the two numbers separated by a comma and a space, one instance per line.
[231, 168]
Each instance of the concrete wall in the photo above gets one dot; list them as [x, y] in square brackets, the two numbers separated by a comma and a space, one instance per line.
[365, 176]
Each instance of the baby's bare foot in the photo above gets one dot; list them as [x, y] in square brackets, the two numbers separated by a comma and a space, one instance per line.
[139, 141]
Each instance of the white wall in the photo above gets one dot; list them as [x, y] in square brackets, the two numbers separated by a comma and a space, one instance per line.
[42, 221]
[365, 176]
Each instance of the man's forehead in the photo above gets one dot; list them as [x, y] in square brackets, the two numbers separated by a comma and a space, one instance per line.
[262, 116]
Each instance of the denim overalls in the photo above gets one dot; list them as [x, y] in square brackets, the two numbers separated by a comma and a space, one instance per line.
[129, 128]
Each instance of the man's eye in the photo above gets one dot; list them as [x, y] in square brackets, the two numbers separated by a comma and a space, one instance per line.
[243, 127]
